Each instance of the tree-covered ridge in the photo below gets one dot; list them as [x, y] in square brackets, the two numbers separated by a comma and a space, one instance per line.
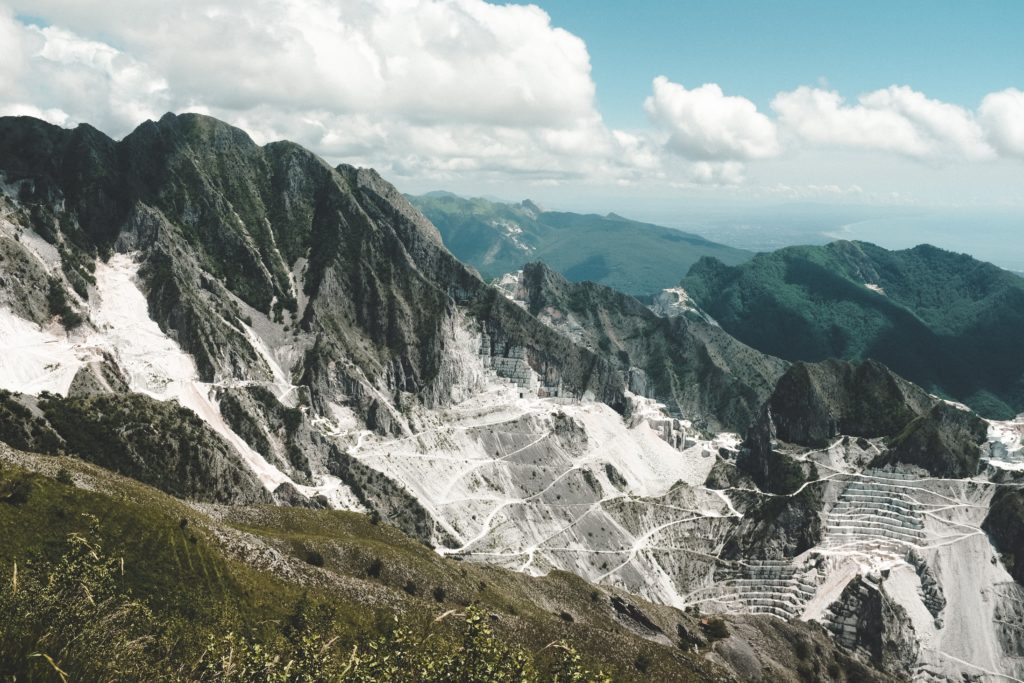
[945, 321]
[630, 256]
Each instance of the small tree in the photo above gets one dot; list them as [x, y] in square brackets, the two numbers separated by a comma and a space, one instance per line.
[716, 629]
[375, 568]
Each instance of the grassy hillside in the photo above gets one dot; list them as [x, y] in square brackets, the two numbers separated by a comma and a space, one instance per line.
[632, 257]
[108, 579]
[945, 321]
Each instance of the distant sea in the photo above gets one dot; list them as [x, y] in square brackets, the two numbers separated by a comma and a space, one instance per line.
[990, 235]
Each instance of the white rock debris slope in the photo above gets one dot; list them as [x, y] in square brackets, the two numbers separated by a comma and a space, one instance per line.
[34, 359]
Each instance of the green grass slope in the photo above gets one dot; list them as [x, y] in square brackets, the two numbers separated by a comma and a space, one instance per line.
[632, 257]
[107, 579]
[945, 321]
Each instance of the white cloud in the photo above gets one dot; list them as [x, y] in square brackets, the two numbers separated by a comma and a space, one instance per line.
[465, 60]
[66, 79]
[445, 90]
[413, 87]
[11, 51]
[717, 173]
[55, 116]
[896, 119]
[707, 125]
[1002, 115]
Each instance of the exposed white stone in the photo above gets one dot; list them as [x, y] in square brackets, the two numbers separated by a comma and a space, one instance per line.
[674, 301]
[33, 360]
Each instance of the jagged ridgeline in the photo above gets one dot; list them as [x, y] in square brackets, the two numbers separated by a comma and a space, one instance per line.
[288, 284]
[225, 226]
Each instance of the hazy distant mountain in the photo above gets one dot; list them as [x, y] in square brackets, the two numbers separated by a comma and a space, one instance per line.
[946, 321]
[632, 257]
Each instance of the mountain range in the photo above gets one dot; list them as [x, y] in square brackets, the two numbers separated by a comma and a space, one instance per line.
[633, 257]
[260, 423]
[945, 321]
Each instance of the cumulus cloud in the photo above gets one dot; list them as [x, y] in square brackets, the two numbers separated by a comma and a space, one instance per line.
[895, 119]
[437, 61]
[66, 79]
[1002, 115]
[57, 117]
[707, 125]
[413, 87]
[10, 49]
[440, 90]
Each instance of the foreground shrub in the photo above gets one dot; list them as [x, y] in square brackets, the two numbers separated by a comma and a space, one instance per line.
[73, 619]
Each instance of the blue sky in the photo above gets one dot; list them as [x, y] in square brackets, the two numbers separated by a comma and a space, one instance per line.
[953, 51]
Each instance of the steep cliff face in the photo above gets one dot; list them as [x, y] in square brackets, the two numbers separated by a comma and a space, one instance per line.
[815, 403]
[155, 442]
[945, 442]
[866, 618]
[696, 369]
[1005, 524]
[812, 403]
[228, 230]
[263, 268]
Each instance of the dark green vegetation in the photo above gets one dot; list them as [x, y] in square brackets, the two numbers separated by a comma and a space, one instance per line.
[696, 369]
[946, 321]
[159, 443]
[632, 257]
[57, 299]
[106, 579]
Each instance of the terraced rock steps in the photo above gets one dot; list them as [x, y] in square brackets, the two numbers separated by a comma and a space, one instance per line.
[875, 514]
[777, 587]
